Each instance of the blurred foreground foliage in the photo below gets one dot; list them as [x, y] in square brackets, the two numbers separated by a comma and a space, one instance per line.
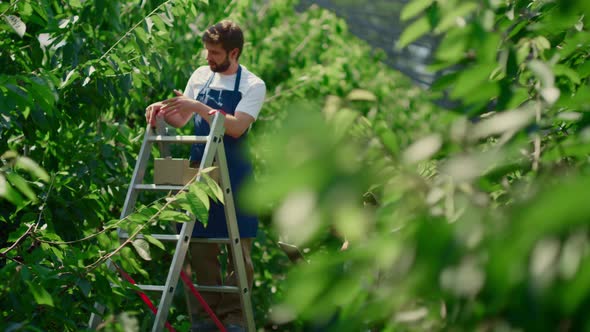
[410, 217]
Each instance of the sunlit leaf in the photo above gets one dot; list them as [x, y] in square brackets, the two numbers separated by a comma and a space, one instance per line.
[40, 294]
[550, 94]
[543, 72]
[17, 24]
[70, 77]
[542, 43]
[414, 8]
[195, 205]
[174, 216]
[10, 194]
[32, 167]
[154, 241]
[451, 18]
[423, 149]
[198, 190]
[502, 122]
[149, 23]
[142, 247]
[414, 31]
[21, 185]
[3, 185]
[214, 190]
[362, 95]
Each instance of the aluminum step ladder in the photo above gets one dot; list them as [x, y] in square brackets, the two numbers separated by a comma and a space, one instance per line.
[214, 150]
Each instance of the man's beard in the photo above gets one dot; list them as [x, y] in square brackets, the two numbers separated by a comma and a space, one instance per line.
[220, 68]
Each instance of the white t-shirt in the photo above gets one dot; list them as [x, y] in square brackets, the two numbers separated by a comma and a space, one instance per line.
[252, 88]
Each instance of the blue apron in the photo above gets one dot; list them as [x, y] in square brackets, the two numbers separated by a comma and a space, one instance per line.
[239, 166]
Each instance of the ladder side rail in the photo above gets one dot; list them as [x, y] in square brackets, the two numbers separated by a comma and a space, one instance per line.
[215, 141]
[130, 200]
[234, 236]
[138, 174]
[162, 130]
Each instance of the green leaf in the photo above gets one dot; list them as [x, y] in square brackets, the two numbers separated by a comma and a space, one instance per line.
[85, 286]
[361, 95]
[523, 52]
[484, 93]
[10, 194]
[519, 96]
[414, 8]
[41, 295]
[21, 185]
[140, 32]
[414, 31]
[198, 190]
[32, 167]
[541, 43]
[3, 185]
[387, 137]
[174, 216]
[158, 23]
[196, 206]
[562, 70]
[70, 77]
[472, 78]
[214, 188]
[143, 248]
[342, 121]
[154, 241]
[75, 3]
[453, 46]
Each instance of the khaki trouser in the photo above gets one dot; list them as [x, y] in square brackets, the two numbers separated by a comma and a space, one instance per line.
[203, 260]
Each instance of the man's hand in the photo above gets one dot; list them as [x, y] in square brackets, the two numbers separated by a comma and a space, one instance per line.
[152, 111]
[180, 105]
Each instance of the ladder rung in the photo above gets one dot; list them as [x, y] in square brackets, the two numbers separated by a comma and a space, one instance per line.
[211, 289]
[158, 187]
[176, 237]
[218, 289]
[156, 288]
[161, 237]
[178, 139]
[218, 240]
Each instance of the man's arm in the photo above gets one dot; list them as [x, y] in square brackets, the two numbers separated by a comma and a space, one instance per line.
[177, 111]
[235, 125]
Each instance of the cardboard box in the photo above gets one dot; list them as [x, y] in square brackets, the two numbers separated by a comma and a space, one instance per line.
[173, 171]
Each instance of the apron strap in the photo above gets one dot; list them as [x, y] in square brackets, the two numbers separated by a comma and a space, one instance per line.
[238, 77]
[206, 86]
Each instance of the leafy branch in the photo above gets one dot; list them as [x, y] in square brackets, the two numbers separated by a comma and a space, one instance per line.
[133, 28]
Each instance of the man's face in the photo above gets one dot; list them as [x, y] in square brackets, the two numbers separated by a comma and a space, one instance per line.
[217, 58]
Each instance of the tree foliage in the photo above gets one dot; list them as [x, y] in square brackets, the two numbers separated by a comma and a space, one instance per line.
[475, 217]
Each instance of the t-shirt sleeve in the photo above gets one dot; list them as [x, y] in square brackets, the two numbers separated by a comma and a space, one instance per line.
[188, 90]
[251, 102]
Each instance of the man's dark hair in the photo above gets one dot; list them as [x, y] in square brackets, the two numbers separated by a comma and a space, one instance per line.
[226, 33]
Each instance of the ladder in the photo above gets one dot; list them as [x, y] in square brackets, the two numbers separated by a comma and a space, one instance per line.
[214, 150]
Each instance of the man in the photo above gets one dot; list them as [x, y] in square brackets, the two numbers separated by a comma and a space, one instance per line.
[222, 85]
